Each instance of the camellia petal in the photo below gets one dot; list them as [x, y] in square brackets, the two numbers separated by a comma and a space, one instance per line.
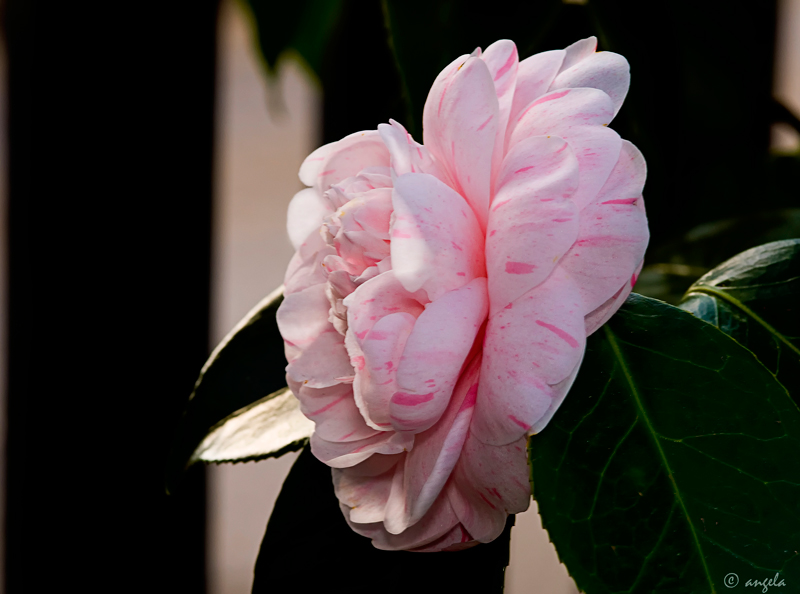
[431, 223]
[460, 125]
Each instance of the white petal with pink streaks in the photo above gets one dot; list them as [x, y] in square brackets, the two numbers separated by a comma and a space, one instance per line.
[321, 363]
[306, 213]
[344, 454]
[459, 127]
[606, 71]
[503, 61]
[529, 347]
[603, 313]
[344, 158]
[436, 239]
[303, 316]
[489, 482]
[333, 411]
[613, 233]
[434, 355]
[534, 77]
[365, 488]
[532, 221]
[375, 384]
[407, 156]
[430, 463]
[578, 51]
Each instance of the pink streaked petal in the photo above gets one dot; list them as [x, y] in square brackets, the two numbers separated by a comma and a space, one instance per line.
[503, 61]
[305, 268]
[344, 158]
[333, 411]
[374, 299]
[365, 488]
[350, 453]
[306, 212]
[303, 316]
[532, 221]
[322, 362]
[489, 482]
[407, 156]
[434, 355]
[375, 383]
[457, 539]
[606, 71]
[613, 233]
[459, 127]
[528, 349]
[603, 313]
[578, 51]
[436, 451]
[559, 392]
[439, 521]
[534, 77]
[435, 236]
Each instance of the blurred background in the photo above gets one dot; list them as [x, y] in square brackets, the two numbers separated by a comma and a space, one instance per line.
[147, 158]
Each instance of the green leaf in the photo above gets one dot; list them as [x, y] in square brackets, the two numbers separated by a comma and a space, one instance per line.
[304, 26]
[267, 428]
[246, 366]
[674, 266]
[673, 462]
[307, 536]
[755, 298]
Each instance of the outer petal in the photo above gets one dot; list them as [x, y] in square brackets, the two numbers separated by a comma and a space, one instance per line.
[579, 116]
[603, 313]
[529, 347]
[439, 521]
[436, 451]
[323, 363]
[375, 384]
[613, 233]
[407, 156]
[532, 222]
[459, 127]
[578, 51]
[436, 240]
[306, 213]
[305, 268]
[344, 158]
[365, 488]
[303, 316]
[333, 411]
[350, 453]
[606, 71]
[489, 482]
[534, 77]
[502, 60]
[435, 354]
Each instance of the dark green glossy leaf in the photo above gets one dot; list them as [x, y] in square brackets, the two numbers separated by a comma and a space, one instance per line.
[301, 25]
[245, 367]
[267, 428]
[755, 298]
[308, 547]
[674, 266]
[673, 462]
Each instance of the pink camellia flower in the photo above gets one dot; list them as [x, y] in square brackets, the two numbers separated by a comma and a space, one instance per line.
[437, 308]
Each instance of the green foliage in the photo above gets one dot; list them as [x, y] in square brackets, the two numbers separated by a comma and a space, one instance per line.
[245, 367]
[754, 298]
[674, 461]
[300, 25]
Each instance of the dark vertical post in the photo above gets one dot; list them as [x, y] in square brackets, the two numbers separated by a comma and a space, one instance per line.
[110, 185]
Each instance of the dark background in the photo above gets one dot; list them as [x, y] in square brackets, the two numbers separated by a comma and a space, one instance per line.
[110, 156]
